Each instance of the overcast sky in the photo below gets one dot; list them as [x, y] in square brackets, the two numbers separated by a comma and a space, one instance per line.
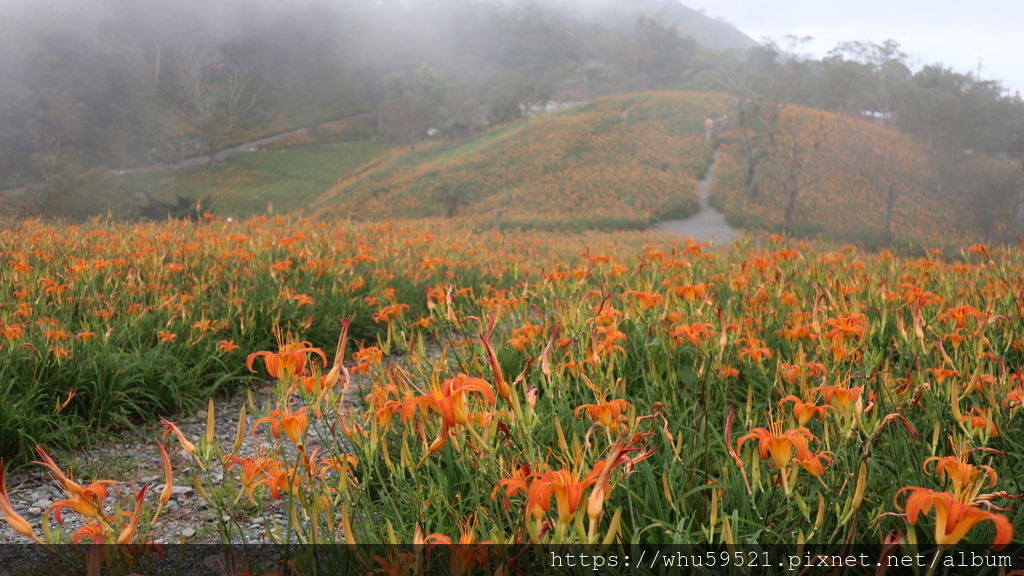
[957, 33]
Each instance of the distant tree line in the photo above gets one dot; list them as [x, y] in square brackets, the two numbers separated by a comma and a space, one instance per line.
[971, 128]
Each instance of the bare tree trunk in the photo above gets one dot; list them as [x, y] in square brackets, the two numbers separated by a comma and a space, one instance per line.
[887, 225]
[790, 210]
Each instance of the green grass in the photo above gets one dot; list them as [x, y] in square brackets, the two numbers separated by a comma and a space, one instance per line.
[245, 183]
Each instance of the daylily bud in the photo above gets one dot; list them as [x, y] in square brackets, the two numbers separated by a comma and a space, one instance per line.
[165, 494]
[129, 532]
[821, 512]
[172, 427]
[240, 435]
[16, 522]
[210, 423]
[858, 493]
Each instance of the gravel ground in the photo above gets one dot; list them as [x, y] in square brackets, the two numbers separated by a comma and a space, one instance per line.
[133, 460]
[708, 225]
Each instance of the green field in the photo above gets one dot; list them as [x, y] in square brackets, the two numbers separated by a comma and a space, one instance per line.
[245, 183]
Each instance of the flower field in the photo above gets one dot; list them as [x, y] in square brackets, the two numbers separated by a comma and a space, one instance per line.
[619, 162]
[533, 387]
[844, 184]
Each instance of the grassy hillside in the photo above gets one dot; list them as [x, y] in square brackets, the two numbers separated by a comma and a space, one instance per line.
[843, 184]
[244, 184]
[620, 162]
[241, 185]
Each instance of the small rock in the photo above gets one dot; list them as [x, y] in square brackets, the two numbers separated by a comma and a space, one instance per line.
[259, 520]
[35, 510]
[42, 503]
[201, 414]
[188, 532]
[176, 490]
[181, 490]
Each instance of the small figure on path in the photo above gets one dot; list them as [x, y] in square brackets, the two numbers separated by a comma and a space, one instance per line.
[709, 126]
[723, 125]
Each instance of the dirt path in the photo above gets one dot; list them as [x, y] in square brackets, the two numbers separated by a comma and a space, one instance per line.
[708, 225]
[198, 160]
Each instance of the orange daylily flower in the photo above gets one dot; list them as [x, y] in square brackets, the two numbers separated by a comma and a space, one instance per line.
[647, 300]
[778, 443]
[607, 414]
[519, 481]
[691, 293]
[813, 462]
[277, 477]
[954, 519]
[842, 398]
[95, 531]
[846, 326]
[566, 487]
[803, 411]
[960, 314]
[607, 316]
[227, 346]
[371, 356]
[384, 408]
[251, 470]
[754, 351]
[288, 361]
[728, 372]
[523, 337]
[86, 500]
[1014, 399]
[385, 314]
[294, 424]
[605, 339]
[942, 373]
[979, 422]
[449, 400]
[693, 333]
[968, 480]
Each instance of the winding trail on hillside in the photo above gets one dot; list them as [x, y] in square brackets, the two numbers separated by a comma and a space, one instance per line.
[204, 159]
[708, 225]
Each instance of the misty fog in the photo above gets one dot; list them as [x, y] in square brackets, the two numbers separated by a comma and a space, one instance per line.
[124, 84]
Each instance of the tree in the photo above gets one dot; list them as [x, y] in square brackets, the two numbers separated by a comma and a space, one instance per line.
[414, 103]
[654, 56]
[786, 139]
[517, 93]
[993, 190]
[791, 139]
[883, 76]
[891, 164]
[214, 95]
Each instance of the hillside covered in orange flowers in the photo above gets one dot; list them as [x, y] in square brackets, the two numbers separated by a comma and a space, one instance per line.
[840, 177]
[628, 161]
[620, 162]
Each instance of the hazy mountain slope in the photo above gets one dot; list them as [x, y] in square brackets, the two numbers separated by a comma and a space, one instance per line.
[708, 31]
